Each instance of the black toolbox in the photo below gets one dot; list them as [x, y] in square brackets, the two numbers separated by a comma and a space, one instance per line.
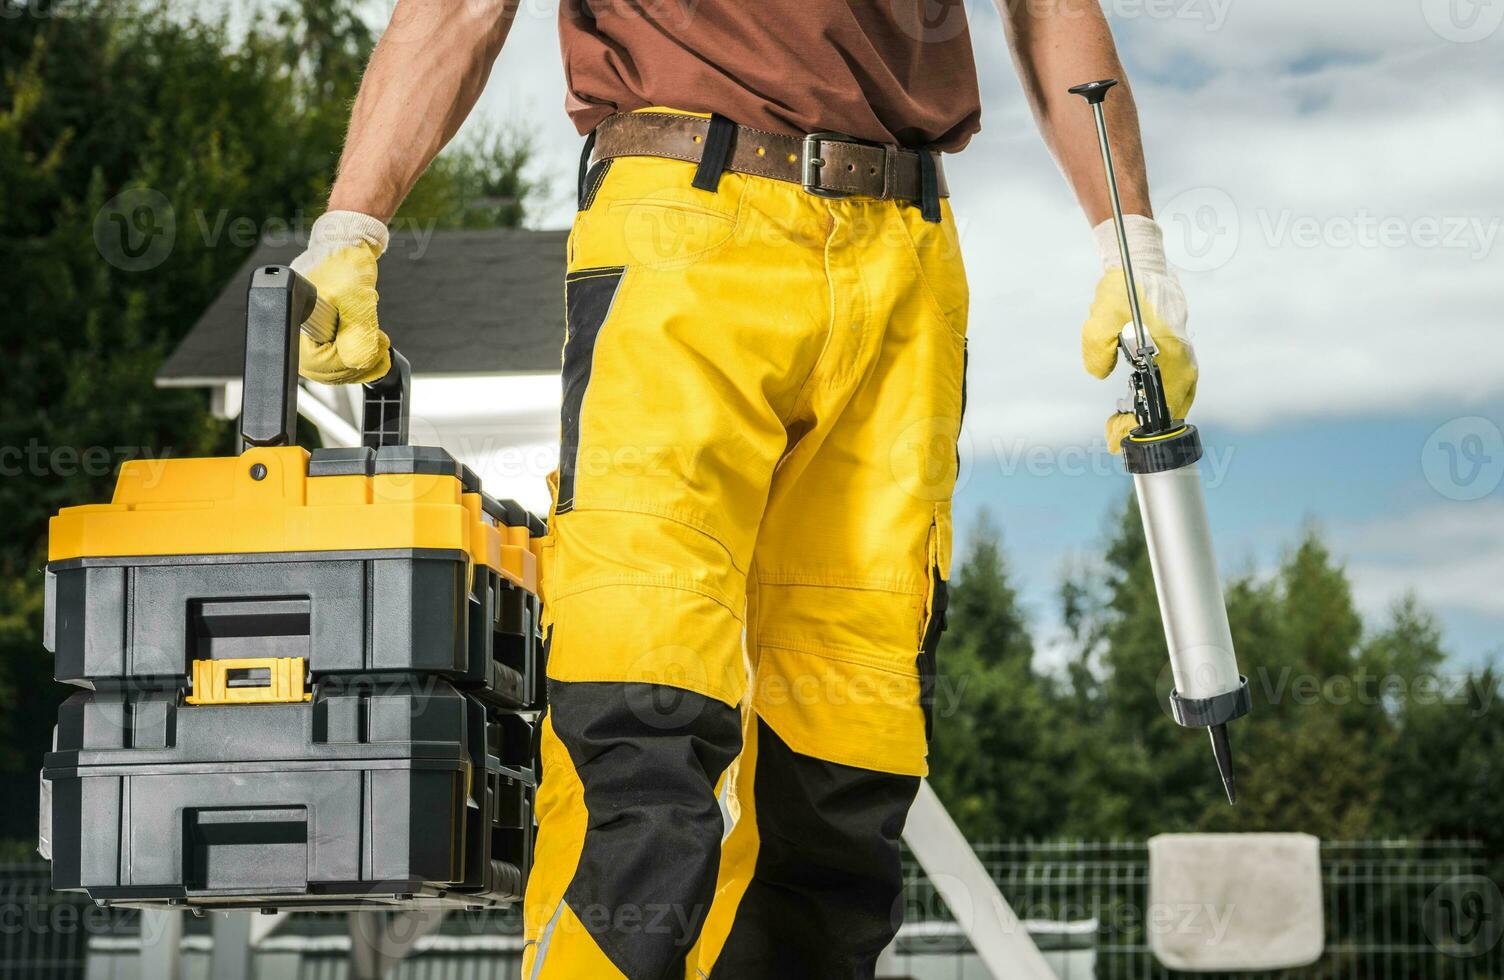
[312, 679]
[377, 796]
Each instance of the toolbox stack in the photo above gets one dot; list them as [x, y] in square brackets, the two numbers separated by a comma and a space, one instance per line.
[311, 680]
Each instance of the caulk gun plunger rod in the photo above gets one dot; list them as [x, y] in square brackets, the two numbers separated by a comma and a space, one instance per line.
[1095, 94]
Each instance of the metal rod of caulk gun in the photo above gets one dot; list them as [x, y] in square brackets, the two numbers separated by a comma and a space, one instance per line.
[1140, 334]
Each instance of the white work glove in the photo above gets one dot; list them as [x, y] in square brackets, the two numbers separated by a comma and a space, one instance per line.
[1163, 305]
[343, 247]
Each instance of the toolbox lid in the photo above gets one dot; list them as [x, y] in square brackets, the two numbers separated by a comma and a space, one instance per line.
[514, 514]
[416, 459]
[492, 508]
[342, 461]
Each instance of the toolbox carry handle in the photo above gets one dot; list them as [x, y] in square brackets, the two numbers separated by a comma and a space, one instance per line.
[387, 399]
[279, 304]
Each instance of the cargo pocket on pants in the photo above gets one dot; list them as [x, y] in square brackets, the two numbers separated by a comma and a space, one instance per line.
[588, 297]
[936, 604]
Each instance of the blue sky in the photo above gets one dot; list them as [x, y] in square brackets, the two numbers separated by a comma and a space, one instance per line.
[1327, 175]
[1381, 490]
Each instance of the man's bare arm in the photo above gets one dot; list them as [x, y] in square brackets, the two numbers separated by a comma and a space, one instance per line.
[424, 77]
[1060, 43]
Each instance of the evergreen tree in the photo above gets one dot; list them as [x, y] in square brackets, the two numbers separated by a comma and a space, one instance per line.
[994, 760]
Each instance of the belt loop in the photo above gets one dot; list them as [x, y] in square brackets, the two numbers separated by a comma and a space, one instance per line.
[929, 186]
[584, 169]
[716, 155]
[890, 171]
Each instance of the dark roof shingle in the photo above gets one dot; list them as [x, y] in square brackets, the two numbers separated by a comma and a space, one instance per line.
[467, 302]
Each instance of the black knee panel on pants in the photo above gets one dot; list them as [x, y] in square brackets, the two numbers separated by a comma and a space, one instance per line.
[648, 758]
[825, 899]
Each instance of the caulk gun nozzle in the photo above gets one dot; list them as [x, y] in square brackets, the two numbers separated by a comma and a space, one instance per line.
[1223, 753]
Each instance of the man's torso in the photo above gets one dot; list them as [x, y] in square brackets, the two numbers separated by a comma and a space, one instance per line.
[898, 71]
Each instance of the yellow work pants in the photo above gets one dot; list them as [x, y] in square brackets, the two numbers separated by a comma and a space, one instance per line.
[743, 577]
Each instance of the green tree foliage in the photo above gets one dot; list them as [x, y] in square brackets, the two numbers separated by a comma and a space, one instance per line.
[142, 155]
[994, 757]
[1353, 733]
[480, 183]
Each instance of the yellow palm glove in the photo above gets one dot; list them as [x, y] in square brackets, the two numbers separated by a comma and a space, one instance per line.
[1163, 304]
[343, 247]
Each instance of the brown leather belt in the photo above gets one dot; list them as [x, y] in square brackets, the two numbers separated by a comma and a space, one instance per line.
[825, 164]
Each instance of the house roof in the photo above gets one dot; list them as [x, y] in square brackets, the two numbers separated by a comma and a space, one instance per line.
[463, 302]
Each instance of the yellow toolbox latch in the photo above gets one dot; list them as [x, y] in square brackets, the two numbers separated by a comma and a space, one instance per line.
[259, 680]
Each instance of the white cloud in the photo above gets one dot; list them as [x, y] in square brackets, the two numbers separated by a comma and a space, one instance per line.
[1450, 556]
[1383, 166]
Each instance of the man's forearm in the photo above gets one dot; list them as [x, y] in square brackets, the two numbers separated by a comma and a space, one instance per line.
[1060, 43]
[424, 77]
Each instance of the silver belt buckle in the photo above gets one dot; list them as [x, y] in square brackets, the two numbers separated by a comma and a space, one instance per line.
[810, 163]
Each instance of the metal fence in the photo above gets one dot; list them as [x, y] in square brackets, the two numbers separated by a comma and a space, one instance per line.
[1394, 909]
[44, 935]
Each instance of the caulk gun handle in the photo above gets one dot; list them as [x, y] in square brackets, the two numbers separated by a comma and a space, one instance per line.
[1093, 92]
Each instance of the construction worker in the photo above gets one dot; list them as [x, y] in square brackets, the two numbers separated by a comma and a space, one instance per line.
[763, 384]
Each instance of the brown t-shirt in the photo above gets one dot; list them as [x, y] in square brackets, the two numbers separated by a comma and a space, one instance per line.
[886, 70]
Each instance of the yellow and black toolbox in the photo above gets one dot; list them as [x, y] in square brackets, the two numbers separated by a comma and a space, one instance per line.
[312, 678]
